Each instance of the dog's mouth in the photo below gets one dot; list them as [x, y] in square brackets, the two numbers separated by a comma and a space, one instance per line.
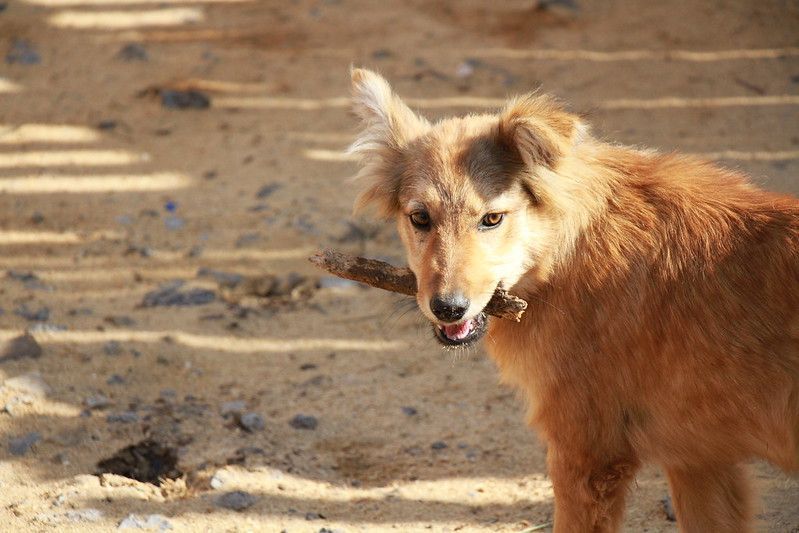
[463, 333]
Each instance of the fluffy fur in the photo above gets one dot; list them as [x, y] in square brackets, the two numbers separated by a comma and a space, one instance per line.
[663, 322]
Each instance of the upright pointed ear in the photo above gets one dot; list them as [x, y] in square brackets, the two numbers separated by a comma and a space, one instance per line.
[539, 130]
[387, 127]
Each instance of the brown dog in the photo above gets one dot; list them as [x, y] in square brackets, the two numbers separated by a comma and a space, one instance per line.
[664, 295]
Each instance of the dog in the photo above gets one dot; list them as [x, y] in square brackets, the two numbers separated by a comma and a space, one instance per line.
[663, 290]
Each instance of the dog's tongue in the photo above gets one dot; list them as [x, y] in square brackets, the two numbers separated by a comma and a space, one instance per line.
[457, 332]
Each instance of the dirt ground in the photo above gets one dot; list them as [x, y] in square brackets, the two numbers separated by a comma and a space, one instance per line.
[107, 194]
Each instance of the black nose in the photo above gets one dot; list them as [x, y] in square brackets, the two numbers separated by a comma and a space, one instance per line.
[449, 307]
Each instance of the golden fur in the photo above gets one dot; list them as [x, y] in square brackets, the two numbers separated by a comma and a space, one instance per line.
[663, 322]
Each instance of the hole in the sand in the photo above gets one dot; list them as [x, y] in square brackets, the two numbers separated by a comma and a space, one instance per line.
[147, 461]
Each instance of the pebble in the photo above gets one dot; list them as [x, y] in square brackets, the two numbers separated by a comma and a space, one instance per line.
[153, 522]
[219, 479]
[112, 348]
[44, 327]
[169, 295]
[409, 411]
[267, 190]
[190, 99]
[97, 401]
[38, 315]
[115, 379]
[21, 445]
[120, 321]
[304, 422]
[22, 347]
[22, 52]
[123, 417]
[237, 500]
[252, 422]
[173, 223]
[84, 515]
[313, 516]
[439, 445]
[133, 52]
[31, 383]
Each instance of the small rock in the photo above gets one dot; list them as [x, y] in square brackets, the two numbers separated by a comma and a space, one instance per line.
[21, 445]
[124, 417]
[152, 522]
[115, 379]
[304, 422]
[237, 500]
[170, 295]
[22, 52]
[409, 411]
[252, 422]
[219, 479]
[314, 516]
[97, 401]
[31, 383]
[22, 347]
[190, 99]
[112, 348]
[38, 315]
[439, 445]
[107, 125]
[232, 408]
[44, 327]
[267, 190]
[668, 509]
[382, 53]
[133, 52]
[120, 321]
[174, 223]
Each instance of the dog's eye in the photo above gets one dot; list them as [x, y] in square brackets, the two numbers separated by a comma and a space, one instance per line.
[420, 219]
[491, 220]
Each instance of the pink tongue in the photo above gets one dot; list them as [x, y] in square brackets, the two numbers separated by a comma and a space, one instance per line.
[458, 331]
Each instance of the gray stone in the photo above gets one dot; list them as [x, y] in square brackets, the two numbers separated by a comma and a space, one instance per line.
[22, 347]
[304, 422]
[237, 500]
[83, 515]
[232, 408]
[169, 295]
[190, 99]
[123, 417]
[22, 52]
[97, 401]
[133, 52]
[21, 445]
[439, 445]
[34, 315]
[252, 422]
[112, 348]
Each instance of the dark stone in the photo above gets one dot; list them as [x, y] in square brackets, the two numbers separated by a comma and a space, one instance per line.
[21, 445]
[237, 500]
[252, 422]
[22, 347]
[170, 295]
[668, 509]
[112, 348]
[22, 52]
[107, 125]
[224, 279]
[410, 411]
[190, 99]
[147, 461]
[304, 422]
[439, 445]
[267, 190]
[125, 417]
[133, 52]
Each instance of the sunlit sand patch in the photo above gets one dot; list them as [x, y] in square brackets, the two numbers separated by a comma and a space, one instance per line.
[121, 3]
[219, 343]
[321, 137]
[70, 157]
[329, 155]
[700, 56]
[12, 237]
[720, 101]
[92, 184]
[8, 86]
[46, 133]
[760, 155]
[114, 20]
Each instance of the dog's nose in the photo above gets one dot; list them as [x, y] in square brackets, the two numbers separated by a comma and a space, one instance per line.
[449, 307]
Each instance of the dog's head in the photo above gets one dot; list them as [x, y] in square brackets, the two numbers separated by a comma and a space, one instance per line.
[466, 194]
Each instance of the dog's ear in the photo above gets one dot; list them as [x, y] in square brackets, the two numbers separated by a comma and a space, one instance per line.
[387, 126]
[539, 130]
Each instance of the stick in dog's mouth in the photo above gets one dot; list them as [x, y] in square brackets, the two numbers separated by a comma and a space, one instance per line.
[402, 280]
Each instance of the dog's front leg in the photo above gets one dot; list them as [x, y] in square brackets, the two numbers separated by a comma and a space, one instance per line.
[589, 490]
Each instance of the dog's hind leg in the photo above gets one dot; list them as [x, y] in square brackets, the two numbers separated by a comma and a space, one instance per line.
[711, 498]
[589, 493]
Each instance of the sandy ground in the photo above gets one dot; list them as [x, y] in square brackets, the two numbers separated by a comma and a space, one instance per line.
[106, 195]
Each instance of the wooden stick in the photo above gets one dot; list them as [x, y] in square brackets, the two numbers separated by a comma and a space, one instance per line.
[395, 279]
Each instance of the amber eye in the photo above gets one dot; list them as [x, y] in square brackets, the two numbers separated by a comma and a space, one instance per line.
[420, 219]
[491, 220]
